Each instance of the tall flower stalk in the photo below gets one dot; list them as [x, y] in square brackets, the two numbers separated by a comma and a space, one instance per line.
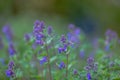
[49, 66]
[64, 49]
[41, 39]
[67, 66]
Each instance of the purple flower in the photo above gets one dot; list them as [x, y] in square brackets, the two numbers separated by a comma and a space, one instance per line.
[82, 53]
[75, 72]
[90, 60]
[10, 73]
[71, 26]
[89, 76]
[11, 65]
[62, 49]
[108, 32]
[91, 65]
[38, 32]
[87, 68]
[107, 47]
[111, 35]
[27, 37]
[8, 32]
[63, 39]
[61, 65]
[38, 27]
[74, 36]
[34, 45]
[11, 49]
[40, 42]
[77, 32]
[50, 30]
[43, 60]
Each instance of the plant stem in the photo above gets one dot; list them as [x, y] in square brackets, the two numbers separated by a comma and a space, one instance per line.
[54, 51]
[67, 67]
[49, 67]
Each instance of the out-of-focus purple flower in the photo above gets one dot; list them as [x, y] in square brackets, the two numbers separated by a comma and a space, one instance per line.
[27, 37]
[111, 35]
[75, 72]
[95, 43]
[43, 60]
[65, 44]
[8, 32]
[87, 68]
[71, 27]
[10, 73]
[77, 32]
[107, 47]
[73, 38]
[1, 43]
[63, 49]
[40, 36]
[50, 30]
[61, 65]
[11, 49]
[90, 60]
[91, 65]
[89, 76]
[82, 53]
[34, 45]
[11, 65]
[108, 32]
[39, 42]
[60, 50]
[63, 39]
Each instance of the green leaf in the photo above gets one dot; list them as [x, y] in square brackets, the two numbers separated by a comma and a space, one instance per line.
[70, 65]
[115, 68]
[116, 79]
[49, 41]
[53, 59]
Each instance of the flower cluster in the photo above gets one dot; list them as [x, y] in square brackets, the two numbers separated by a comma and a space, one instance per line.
[91, 65]
[74, 34]
[89, 76]
[110, 35]
[65, 44]
[44, 44]
[10, 70]
[27, 37]
[61, 65]
[8, 32]
[75, 72]
[11, 49]
[49, 30]
[38, 32]
[43, 60]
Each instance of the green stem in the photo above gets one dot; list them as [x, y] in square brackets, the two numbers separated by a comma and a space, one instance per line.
[49, 66]
[67, 67]
[54, 51]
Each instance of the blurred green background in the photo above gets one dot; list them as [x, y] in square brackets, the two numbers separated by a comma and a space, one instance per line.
[92, 16]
